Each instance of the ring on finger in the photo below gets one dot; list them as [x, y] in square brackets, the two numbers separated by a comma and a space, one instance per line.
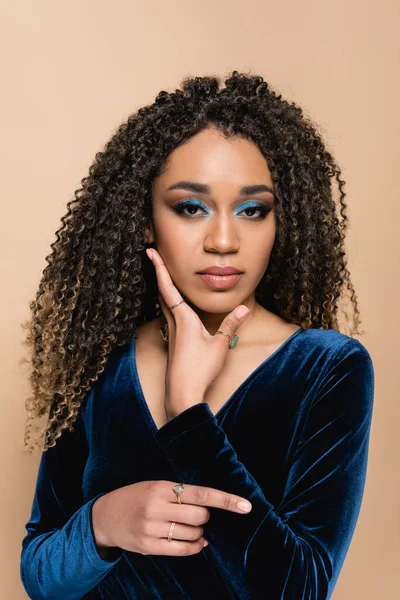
[232, 340]
[164, 329]
[174, 305]
[178, 489]
[171, 529]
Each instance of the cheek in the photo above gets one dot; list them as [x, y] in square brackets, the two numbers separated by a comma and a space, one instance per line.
[176, 244]
[177, 252]
[262, 242]
[260, 253]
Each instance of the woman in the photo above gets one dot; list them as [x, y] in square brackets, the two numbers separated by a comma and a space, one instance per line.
[177, 403]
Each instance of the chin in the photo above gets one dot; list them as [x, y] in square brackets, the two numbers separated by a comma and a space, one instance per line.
[212, 306]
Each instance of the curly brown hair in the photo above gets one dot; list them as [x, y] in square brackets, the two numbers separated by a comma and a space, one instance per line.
[97, 288]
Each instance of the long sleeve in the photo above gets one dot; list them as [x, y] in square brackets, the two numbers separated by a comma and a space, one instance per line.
[293, 550]
[59, 557]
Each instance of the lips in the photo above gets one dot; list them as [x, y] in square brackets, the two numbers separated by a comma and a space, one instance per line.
[220, 271]
[220, 282]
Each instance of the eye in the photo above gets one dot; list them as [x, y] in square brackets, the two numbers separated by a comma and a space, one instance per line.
[191, 205]
[261, 208]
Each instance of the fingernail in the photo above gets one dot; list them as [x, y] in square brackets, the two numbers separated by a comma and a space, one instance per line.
[205, 543]
[150, 254]
[244, 506]
[242, 311]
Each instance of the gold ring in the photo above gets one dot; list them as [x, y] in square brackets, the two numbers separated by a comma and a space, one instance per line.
[178, 489]
[177, 304]
[223, 333]
[171, 530]
[232, 340]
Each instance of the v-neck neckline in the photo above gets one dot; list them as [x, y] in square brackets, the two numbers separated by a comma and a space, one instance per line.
[239, 389]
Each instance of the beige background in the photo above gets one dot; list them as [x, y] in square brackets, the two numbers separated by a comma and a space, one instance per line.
[73, 70]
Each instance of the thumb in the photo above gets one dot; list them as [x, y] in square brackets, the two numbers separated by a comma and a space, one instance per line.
[241, 312]
[233, 320]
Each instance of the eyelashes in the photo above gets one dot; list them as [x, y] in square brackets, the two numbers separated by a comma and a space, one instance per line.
[193, 204]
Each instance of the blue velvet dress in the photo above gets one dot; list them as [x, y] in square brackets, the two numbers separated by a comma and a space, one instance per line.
[293, 439]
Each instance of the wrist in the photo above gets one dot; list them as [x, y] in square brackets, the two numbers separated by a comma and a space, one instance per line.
[175, 407]
[98, 522]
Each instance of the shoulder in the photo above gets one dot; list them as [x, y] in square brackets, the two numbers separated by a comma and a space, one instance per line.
[333, 346]
[345, 370]
[332, 362]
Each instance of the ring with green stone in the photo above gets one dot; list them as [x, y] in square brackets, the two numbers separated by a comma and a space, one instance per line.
[232, 341]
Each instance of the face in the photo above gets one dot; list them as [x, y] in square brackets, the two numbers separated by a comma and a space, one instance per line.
[204, 216]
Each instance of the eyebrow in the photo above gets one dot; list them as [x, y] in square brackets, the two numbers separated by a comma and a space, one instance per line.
[202, 188]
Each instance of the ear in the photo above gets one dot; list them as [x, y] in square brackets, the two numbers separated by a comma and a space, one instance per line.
[150, 236]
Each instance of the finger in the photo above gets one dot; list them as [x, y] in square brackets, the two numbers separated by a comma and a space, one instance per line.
[206, 496]
[179, 548]
[165, 284]
[167, 312]
[189, 514]
[233, 320]
[181, 531]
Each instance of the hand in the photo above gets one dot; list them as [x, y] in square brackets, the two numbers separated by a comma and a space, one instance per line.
[195, 357]
[138, 517]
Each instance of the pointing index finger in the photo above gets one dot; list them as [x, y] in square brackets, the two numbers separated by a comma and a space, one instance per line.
[205, 496]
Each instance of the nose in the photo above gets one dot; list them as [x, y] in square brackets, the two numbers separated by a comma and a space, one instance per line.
[221, 235]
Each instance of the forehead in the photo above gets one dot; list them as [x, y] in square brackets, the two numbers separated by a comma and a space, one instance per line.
[209, 157]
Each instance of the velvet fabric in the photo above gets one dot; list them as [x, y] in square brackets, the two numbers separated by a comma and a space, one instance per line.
[293, 439]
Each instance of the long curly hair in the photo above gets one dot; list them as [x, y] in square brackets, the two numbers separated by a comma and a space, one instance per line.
[98, 286]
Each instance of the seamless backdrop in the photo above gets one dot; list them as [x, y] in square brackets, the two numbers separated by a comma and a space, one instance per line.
[73, 70]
